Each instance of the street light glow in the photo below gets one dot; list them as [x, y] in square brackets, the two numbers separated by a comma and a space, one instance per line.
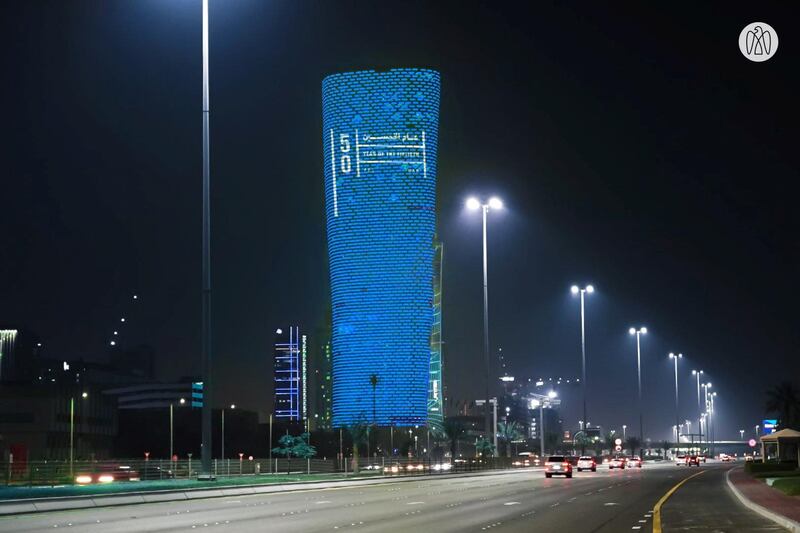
[574, 289]
[495, 203]
[632, 331]
[84, 395]
[552, 394]
[643, 331]
[473, 204]
[590, 289]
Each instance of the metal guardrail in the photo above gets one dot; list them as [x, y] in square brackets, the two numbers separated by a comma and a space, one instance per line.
[60, 472]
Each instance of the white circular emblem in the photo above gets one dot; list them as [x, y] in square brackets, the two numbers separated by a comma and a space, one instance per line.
[758, 41]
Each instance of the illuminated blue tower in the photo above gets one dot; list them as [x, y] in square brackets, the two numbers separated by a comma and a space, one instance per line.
[380, 131]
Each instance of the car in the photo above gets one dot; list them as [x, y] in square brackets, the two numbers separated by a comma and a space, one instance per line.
[587, 462]
[680, 460]
[634, 460]
[557, 465]
[725, 458]
[748, 458]
[108, 474]
[692, 460]
[617, 462]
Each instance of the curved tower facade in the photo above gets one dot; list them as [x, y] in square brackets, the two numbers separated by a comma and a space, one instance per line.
[380, 131]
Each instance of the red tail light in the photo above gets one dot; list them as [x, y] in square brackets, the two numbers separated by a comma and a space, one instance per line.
[564, 464]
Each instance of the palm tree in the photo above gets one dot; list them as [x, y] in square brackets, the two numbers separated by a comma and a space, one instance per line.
[359, 433]
[784, 399]
[632, 443]
[508, 431]
[453, 429]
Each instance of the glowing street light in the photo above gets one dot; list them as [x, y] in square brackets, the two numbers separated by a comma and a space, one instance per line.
[84, 395]
[697, 374]
[233, 406]
[473, 204]
[582, 292]
[639, 332]
[675, 358]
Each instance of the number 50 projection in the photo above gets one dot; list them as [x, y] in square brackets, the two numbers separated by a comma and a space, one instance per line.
[380, 131]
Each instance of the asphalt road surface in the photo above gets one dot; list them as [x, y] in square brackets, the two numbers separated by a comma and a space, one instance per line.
[605, 501]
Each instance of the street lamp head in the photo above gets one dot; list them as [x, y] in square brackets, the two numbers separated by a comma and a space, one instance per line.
[680, 356]
[694, 372]
[552, 394]
[590, 289]
[183, 401]
[495, 203]
[671, 355]
[643, 331]
[233, 406]
[574, 289]
[632, 331]
[473, 204]
[85, 395]
[534, 404]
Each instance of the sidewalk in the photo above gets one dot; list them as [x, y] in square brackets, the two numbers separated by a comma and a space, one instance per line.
[766, 501]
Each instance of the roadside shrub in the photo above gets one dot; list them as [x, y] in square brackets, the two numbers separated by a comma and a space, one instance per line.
[761, 468]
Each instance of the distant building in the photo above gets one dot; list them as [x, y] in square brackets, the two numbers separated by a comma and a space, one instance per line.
[436, 388]
[288, 372]
[156, 395]
[19, 354]
[319, 380]
[380, 141]
[35, 422]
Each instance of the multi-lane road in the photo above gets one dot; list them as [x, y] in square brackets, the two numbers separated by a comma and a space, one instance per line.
[523, 500]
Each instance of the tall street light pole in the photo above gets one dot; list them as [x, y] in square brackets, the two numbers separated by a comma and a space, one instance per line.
[675, 358]
[171, 452]
[206, 268]
[583, 291]
[638, 333]
[697, 374]
[233, 406]
[474, 204]
[72, 434]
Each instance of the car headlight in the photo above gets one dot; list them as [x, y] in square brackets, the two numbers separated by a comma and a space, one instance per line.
[105, 478]
[83, 479]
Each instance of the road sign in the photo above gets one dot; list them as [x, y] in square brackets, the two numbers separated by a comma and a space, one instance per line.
[618, 447]
[752, 443]
[618, 442]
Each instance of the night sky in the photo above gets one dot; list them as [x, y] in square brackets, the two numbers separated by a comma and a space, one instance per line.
[637, 150]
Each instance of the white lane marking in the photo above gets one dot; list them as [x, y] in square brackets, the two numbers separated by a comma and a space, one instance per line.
[321, 502]
[556, 504]
[648, 516]
[572, 499]
[636, 527]
[233, 501]
[610, 504]
[415, 503]
[511, 503]
[642, 521]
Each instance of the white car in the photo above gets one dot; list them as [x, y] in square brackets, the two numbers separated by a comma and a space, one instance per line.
[680, 460]
[587, 463]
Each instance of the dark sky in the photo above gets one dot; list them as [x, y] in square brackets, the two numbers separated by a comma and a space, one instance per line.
[636, 149]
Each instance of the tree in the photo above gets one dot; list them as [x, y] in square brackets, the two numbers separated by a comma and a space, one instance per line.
[552, 441]
[610, 439]
[359, 433]
[666, 445]
[453, 429]
[632, 443]
[582, 440]
[484, 447]
[508, 432]
[784, 399]
[294, 446]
